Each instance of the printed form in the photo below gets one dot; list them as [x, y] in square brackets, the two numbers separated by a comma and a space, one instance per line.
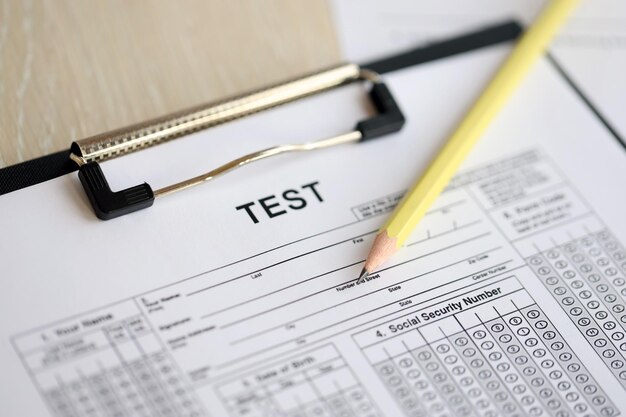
[238, 298]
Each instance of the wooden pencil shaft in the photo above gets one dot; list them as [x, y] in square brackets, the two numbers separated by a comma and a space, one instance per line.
[444, 166]
[417, 201]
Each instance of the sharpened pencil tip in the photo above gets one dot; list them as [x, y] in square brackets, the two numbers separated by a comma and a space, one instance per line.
[362, 276]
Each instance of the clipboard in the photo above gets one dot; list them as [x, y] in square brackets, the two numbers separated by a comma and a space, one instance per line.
[118, 228]
[85, 153]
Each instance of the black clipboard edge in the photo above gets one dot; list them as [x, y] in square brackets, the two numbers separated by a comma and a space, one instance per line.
[585, 99]
[51, 166]
[35, 171]
[504, 32]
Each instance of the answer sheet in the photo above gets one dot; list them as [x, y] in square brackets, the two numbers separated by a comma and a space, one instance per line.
[238, 298]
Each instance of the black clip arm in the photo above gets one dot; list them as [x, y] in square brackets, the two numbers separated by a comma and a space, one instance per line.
[389, 118]
[108, 204]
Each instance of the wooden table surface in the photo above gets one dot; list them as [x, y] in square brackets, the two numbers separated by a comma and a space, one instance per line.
[71, 69]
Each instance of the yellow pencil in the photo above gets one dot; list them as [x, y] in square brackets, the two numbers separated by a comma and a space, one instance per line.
[417, 201]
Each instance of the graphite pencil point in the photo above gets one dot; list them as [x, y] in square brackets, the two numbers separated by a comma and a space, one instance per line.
[362, 276]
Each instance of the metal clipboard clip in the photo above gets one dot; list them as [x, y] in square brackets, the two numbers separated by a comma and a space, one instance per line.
[108, 204]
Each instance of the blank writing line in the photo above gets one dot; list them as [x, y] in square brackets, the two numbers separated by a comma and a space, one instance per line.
[417, 307]
[314, 277]
[279, 263]
[442, 208]
[454, 229]
[281, 289]
[381, 289]
[351, 280]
